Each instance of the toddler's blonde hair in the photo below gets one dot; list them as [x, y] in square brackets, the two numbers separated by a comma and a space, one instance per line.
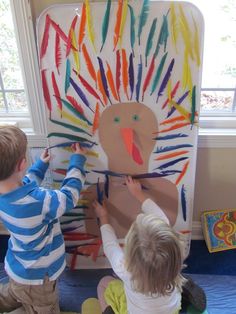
[13, 144]
[153, 256]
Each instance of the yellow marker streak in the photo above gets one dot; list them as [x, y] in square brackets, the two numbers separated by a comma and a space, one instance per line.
[74, 119]
[123, 21]
[174, 25]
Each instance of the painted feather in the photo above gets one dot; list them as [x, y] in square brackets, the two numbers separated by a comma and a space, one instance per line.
[193, 109]
[105, 23]
[148, 76]
[125, 72]
[118, 66]
[143, 18]
[75, 52]
[172, 155]
[170, 137]
[75, 119]
[80, 94]
[103, 77]
[196, 43]
[70, 137]
[70, 127]
[174, 25]
[59, 31]
[96, 119]
[75, 104]
[185, 168]
[183, 202]
[110, 81]
[180, 109]
[106, 186]
[89, 88]
[117, 24]
[69, 38]
[158, 73]
[101, 88]
[185, 32]
[57, 52]
[172, 120]
[89, 64]
[172, 94]
[82, 26]
[175, 127]
[150, 40]
[90, 26]
[68, 144]
[166, 78]
[172, 162]
[139, 78]
[187, 75]
[99, 193]
[170, 148]
[109, 173]
[163, 36]
[75, 111]
[132, 27]
[44, 44]
[68, 74]
[56, 92]
[131, 75]
[123, 20]
[180, 100]
[46, 93]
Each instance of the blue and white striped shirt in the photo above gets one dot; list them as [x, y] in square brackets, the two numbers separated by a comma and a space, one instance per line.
[30, 213]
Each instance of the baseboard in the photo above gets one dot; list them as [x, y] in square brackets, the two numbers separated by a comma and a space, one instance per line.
[196, 230]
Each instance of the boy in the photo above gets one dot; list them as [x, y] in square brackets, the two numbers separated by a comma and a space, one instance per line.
[36, 253]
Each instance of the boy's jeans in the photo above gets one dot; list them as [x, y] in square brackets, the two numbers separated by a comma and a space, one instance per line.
[35, 299]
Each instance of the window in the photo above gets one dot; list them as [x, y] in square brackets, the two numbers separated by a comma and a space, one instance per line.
[218, 98]
[19, 91]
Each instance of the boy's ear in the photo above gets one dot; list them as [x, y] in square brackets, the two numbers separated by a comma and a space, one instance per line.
[22, 164]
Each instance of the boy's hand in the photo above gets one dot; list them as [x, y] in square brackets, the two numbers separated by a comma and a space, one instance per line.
[78, 149]
[45, 156]
[101, 212]
[135, 189]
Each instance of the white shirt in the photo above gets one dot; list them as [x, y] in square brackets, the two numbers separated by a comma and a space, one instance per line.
[138, 303]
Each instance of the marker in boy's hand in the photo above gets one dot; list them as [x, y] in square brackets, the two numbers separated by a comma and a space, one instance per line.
[78, 149]
[45, 156]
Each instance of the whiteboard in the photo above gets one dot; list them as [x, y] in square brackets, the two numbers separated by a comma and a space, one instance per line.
[123, 78]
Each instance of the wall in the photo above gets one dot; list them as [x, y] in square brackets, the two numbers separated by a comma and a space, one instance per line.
[216, 167]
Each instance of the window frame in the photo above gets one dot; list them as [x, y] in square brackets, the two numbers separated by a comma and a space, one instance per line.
[34, 123]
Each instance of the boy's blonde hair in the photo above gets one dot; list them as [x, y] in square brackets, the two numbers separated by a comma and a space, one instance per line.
[153, 256]
[13, 144]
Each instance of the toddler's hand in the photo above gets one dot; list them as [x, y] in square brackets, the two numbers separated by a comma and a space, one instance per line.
[78, 149]
[45, 156]
[100, 210]
[135, 189]
[134, 186]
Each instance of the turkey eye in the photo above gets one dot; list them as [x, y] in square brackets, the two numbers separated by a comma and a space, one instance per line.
[117, 119]
[136, 117]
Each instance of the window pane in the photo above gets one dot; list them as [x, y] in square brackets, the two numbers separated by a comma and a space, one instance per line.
[219, 63]
[10, 71]
[16, 102]
[217, 101]
[2, 106]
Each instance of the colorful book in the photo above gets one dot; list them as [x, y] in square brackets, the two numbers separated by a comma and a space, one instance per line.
[219, 229]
